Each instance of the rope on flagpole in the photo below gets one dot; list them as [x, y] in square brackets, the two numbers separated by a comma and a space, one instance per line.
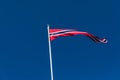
[50, 53]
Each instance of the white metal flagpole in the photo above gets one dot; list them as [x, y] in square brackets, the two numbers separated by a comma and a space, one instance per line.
[50, 54]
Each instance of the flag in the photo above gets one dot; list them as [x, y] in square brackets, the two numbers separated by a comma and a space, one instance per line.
[54, 33]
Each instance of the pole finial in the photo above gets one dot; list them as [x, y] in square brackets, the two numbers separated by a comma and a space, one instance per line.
[48, 25]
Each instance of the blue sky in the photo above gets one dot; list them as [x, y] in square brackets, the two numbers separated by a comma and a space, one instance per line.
[24, 43]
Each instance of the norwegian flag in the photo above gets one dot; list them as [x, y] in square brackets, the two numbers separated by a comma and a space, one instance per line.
[54, 33]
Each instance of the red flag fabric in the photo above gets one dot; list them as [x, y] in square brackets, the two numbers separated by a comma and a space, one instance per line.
[54, 33]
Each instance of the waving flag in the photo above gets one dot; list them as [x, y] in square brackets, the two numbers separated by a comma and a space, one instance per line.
[54, 33]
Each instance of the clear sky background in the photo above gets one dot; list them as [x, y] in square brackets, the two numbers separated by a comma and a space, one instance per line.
[24, 44]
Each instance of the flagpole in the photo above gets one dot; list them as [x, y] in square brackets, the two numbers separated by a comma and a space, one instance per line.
[50, 53]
